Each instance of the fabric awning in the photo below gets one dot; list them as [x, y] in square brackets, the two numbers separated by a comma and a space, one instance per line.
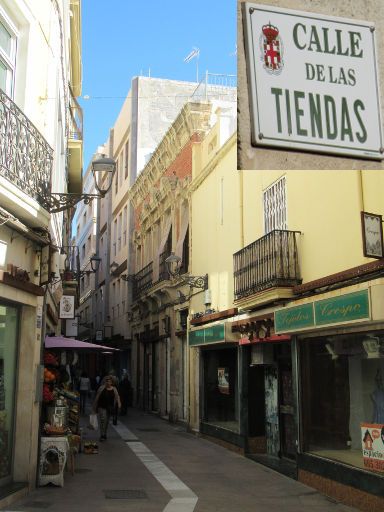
[72, 344]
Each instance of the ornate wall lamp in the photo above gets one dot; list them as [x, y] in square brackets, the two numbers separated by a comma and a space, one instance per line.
[103, 170]
[173, 267]
[71, 275]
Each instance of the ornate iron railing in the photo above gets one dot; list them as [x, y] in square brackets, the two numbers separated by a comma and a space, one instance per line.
[143, 280]
[269, 262]
[26, 158]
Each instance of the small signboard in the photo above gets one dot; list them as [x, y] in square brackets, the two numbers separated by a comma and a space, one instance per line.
[72, 327]
[372, 438]
[67, 306]
[313, 82]
[99, 335]
[372, 227]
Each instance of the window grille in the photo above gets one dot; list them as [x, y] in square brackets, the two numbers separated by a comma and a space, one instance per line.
[275, 206]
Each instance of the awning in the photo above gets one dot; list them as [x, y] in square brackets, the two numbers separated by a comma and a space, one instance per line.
[72, 344]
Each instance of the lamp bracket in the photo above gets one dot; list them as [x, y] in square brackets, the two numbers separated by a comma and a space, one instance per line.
[195, 281]
[60, 201]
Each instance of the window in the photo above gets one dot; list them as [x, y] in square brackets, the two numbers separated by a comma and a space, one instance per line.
[121, 167]
[125, 226]
[126, 160]
[338, 410]
[7, 57]
[89, 242]
[83, 252]
[114, 237]
[119, 232]
[275, 206]
[117, 177]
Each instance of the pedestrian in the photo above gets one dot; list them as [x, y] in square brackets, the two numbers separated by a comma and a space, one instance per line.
[84, 389]
[106, 400]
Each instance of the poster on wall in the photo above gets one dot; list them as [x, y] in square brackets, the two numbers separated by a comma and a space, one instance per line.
[372, 438]
[67, 306]
[223, 380]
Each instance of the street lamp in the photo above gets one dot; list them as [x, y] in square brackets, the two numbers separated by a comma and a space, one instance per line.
[103, 170]
[173, 267]
[77, 274]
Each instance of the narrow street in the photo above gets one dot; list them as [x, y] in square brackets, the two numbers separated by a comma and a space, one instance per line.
[148, 464]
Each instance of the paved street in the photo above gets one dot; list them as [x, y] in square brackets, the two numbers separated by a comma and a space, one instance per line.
[149, 465]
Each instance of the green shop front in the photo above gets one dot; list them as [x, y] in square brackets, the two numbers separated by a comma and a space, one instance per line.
[338, 342]
[219, 377]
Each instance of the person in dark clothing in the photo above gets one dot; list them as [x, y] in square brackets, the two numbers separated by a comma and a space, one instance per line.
[125, 394]
[106, 400]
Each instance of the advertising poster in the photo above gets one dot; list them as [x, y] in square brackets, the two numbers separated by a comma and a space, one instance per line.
[372, 437]
[223, 380]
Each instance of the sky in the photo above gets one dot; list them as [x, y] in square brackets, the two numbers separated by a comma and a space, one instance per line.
[122, 39]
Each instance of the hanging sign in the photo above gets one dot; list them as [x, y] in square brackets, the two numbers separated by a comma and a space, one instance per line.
[67, 306]
[313, 82]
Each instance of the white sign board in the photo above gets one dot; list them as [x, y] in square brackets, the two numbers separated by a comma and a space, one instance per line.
[67, 306]
[72, 327]
[313, 82]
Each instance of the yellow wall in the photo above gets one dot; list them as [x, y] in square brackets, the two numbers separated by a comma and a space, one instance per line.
[215, 225]
[325, 206]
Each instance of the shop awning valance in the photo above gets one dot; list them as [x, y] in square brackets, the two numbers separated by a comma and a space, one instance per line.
[72, 344]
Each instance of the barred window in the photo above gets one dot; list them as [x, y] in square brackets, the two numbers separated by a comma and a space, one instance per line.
[275, 206]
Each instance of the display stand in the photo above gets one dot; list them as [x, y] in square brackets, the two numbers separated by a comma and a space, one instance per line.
[53, 457]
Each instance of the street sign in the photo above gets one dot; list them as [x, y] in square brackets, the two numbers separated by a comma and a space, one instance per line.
[313, 82]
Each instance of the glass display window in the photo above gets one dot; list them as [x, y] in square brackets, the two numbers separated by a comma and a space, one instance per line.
[8, 360]
[343, 398]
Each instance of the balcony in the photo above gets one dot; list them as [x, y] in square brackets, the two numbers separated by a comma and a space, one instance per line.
[143, 280]
[26, 159]
[269, 262]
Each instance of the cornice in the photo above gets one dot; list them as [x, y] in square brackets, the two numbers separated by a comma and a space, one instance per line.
[193, 119]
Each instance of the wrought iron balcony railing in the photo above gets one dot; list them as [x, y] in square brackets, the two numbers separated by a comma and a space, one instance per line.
[76, 119]
[143, 280]
[269, 262]
[26, 158]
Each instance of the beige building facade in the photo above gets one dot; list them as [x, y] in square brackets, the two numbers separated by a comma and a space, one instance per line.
[40, 62]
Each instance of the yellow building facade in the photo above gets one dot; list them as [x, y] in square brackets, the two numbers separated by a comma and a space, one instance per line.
[286, 365]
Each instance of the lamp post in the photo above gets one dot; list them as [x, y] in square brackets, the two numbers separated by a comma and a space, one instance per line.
[173, 266]
[103, 170]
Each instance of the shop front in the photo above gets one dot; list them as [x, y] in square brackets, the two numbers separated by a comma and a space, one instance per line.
[220, 377]
[9, 327]
[339, 338]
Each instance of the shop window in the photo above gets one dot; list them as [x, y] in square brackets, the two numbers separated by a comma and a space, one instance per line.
[343, 393]
[221, 388]
[8, 355]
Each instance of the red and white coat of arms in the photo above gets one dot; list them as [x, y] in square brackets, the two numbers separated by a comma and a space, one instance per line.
[271, 47]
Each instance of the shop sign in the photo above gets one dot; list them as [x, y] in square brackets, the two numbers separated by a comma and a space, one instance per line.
[295, 318]
[335, 310]
[346, 308]
[211, 334]
[372, 439]
[314, 82]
